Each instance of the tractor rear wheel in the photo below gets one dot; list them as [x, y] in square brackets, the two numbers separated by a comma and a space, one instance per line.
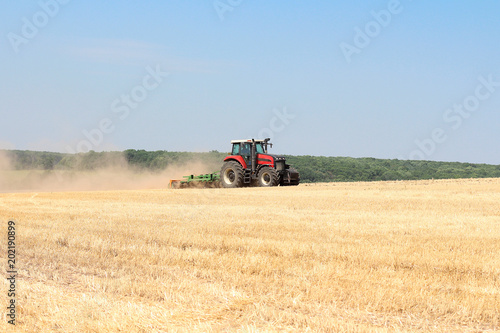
[268, 177]
[231, 174]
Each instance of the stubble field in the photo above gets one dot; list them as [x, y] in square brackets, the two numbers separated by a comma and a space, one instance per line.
[384, 256]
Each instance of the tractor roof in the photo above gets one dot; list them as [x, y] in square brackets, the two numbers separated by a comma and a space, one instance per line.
[247, 140]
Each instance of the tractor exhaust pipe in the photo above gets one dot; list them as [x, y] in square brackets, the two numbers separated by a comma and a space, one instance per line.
[253, 157]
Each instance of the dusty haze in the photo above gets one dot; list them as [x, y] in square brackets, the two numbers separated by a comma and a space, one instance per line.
[115, 174]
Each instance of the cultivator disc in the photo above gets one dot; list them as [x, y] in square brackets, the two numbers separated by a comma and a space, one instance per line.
[209, 180]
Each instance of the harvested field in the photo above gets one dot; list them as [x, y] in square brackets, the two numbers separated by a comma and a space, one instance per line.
[353, 257]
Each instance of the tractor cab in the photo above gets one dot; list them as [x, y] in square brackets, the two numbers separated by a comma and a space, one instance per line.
[244, 147]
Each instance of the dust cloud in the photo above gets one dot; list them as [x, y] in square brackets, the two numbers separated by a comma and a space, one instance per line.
[5, 161]
[115, 174]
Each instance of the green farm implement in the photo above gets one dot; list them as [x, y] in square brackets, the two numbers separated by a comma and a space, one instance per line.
[205, 180]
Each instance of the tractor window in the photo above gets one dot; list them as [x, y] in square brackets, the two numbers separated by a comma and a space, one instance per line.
[246, 149]
[236, 149]
[258, 148]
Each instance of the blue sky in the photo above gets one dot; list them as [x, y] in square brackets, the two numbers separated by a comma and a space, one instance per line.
[386, 79]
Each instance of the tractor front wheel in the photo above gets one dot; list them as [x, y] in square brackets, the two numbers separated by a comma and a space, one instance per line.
[268, 177]
[231, 174]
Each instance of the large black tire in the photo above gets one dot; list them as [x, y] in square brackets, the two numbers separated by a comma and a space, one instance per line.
[231, 174]
[268, 177]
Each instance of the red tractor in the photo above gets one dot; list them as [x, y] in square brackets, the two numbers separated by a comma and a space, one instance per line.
[249, 164]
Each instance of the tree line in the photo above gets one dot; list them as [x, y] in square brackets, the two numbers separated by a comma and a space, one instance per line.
[312, 168]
